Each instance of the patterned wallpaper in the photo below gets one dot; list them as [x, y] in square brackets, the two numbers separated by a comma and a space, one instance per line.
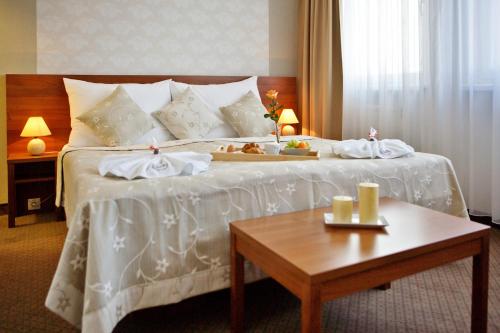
[223, 37]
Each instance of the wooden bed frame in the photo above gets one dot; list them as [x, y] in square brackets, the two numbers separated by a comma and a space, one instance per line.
[44, 95]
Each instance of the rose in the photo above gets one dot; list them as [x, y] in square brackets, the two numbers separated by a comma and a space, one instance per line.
[272, 94]
[273, 109]
[274, 106]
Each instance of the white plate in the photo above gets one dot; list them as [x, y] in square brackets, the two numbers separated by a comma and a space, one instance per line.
[381, 222]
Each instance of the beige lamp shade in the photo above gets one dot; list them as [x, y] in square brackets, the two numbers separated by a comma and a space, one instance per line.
[288, 117]
[35, 127]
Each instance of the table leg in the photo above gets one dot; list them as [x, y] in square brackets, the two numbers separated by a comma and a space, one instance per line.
[311, 311]
[12, 220]
[237, 288]
[12, 196]
[479, 319]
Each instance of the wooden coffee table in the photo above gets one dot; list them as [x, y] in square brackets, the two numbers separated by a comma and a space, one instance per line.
[318, 263]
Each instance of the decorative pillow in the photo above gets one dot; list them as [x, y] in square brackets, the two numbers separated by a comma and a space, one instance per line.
[217, 95]
[187, 117]
[246, 116]
[117, 120]
[83, 96]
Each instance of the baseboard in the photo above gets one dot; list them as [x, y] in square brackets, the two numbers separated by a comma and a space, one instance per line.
[484, 220]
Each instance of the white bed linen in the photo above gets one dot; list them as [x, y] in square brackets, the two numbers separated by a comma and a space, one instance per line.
[142, 243]
[83, 96]
[216, 96]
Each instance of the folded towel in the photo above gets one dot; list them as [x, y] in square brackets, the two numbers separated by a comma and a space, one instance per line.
[387, 148]
[150, 165]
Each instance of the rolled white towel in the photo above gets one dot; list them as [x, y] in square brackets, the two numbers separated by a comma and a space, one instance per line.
[149, 165]
[394, 148]
[387, 148]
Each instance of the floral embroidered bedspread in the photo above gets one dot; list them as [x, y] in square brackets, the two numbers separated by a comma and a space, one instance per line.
[148, 242]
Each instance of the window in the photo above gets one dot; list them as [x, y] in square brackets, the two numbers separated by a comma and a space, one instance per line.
[381, 39]
[388, 44]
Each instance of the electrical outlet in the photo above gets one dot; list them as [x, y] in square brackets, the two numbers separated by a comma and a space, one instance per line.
[34, 204]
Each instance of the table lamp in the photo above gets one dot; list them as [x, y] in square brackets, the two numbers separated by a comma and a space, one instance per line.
[288, 117]
[35, 127]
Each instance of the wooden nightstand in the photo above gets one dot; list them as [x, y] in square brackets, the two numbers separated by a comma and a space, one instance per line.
[31, 178]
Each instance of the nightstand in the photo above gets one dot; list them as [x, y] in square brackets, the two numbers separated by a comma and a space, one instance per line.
[32, 184]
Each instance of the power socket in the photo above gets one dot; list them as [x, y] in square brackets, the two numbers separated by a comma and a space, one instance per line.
[34, 204]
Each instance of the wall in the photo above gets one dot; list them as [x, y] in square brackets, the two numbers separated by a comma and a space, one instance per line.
[216, 37]
[221, 37]
[275, 52]
[283, 17]
[17, 55]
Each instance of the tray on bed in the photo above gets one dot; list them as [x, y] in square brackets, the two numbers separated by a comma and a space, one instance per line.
[242, 157]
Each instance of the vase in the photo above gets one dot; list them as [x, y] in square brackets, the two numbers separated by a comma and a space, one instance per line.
[277, 131]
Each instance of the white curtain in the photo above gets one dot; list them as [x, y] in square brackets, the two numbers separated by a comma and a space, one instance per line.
[428, 72]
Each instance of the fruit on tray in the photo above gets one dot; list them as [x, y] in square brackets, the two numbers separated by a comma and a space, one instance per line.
[298, 144]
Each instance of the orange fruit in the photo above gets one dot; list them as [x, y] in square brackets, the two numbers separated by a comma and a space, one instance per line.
[302, 145]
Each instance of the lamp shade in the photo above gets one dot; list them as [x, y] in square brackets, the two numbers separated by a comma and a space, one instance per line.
[288, 117]
[35, 127]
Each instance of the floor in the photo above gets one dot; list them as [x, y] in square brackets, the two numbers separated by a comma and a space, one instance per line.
[434, 301]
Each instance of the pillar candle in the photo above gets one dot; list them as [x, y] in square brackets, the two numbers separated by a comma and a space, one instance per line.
[342, 209]
[368, 202]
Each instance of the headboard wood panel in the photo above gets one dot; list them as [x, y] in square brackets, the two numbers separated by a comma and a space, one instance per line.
[44, 95]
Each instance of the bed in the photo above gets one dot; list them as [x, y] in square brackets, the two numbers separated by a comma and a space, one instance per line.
[142, 243]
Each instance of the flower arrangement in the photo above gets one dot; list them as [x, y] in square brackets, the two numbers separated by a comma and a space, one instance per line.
[273, 109]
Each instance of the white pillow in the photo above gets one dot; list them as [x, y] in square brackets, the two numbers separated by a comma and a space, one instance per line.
[84, 95]
[216, 96]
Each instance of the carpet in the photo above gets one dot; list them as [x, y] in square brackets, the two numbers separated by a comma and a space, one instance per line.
[433, 301]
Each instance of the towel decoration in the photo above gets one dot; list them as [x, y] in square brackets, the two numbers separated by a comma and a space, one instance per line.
[372, 134]
[155, 147]
[373, 148]
[133, 166]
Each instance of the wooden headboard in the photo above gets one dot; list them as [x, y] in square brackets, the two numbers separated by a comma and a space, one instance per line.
[44, 95]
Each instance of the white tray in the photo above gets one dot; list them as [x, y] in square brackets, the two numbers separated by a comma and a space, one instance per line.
[381, 222]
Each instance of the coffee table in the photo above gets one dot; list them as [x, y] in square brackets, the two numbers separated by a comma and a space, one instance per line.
[318, 263]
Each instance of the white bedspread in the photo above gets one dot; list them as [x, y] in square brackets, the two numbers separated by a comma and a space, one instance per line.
[146, 242]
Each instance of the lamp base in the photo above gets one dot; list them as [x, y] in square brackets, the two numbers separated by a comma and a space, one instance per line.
[288, 130]
[36, 146]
